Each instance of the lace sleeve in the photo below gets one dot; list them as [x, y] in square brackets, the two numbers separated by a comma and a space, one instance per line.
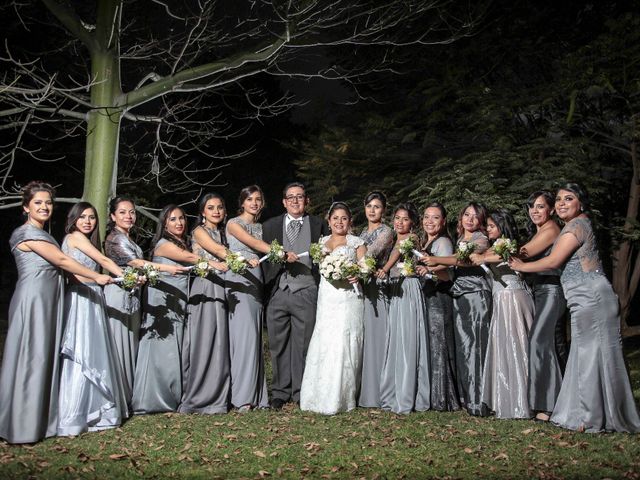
[354, 242]
[441, 247]
[577, 229]
[120, 249]
[381, 244]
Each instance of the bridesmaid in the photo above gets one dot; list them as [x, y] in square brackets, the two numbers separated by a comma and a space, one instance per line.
[444, 394]
[505, 376]
[547, 342]
[471, 308]
[123, 307]
[91, 389]
[205, 346]
[378, 239]
[404, 381]
[157, 384]
[604, 402]
[29, 377]
[244, 294]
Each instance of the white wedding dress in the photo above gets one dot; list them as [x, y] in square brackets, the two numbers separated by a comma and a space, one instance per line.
[334, 359]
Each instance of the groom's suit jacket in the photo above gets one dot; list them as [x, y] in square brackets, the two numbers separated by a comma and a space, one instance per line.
[273, 229]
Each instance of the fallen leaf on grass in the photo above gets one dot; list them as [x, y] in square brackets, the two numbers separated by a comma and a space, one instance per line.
[527, 431]
[263, 473]
[260, 454]
[118, 456]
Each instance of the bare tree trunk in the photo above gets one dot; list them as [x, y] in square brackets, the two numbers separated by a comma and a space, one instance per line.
[625, 278]
[103, 121]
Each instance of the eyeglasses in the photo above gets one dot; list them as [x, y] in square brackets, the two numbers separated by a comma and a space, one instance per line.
[292, 198]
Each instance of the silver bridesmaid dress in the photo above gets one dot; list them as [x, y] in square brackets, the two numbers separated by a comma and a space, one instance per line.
[31, 361]
[91, 389]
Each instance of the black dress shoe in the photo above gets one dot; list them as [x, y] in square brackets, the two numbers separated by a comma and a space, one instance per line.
[277, 403]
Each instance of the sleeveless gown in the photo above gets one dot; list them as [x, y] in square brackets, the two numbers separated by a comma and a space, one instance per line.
[439, 304]
[91, 389]
[334, 359]
[157, 385]
[506, 369]
[379, 243]
[31, 361]
[205, 347]
[547, 342]
[405, 385]
[595, 394]
[244, 299]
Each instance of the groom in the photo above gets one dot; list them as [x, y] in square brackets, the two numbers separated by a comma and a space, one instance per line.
[292, 292]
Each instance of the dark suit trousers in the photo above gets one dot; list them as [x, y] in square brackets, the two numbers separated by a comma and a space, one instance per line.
[291, 317]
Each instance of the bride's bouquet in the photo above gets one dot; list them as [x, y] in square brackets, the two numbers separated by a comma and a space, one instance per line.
[505, 248]
[276, 253]
[337, 266]
[236, 262]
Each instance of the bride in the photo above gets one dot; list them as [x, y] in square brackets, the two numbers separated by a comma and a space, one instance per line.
[334, 359]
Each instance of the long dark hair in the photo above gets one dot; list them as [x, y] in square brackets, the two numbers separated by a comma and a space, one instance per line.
[411, 209]
[549, 199]
[245, 193]
[113, 206]
[481, 213]
[74, 215]
[201, 206]
[161, 229]
[376, 195]
[505, 223]
[444, 232]
[581, 193]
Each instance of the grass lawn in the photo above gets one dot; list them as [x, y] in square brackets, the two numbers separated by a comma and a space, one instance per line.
[362, 444]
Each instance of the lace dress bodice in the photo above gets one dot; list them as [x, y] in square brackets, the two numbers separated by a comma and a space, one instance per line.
[585, 261]
[349, 249]
[379, 243]
[235, 245]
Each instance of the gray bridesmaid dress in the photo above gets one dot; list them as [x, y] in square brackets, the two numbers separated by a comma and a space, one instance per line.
[205, 346]
[505, 377]
[31, 361]
[596, 394]
[444, 392]
[546, 364]
[379, 243]
[244, 298]
[91, 389]
[472, 316]
[123, 309]
[404, 382]
[157, 385]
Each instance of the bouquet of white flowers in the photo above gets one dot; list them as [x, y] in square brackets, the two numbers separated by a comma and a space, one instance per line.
[406, 247]
[337, 266]
[505, 248]
[367, 266]
[201, 268]
[236, 262]
[464, 251]
[276, 253]
[151, 273]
